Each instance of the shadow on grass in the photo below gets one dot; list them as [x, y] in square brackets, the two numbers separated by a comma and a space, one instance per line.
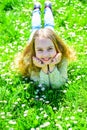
[37, 95]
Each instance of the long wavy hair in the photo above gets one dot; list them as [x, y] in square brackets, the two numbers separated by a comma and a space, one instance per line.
[25, 62]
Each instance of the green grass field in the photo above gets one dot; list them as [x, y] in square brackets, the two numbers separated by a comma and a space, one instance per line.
[24, 105]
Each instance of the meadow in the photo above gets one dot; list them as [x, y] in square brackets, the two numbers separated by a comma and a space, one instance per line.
[26, 105]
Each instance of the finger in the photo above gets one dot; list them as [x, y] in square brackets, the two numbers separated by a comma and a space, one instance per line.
[37, 62]
[59, 55]
[36, 59]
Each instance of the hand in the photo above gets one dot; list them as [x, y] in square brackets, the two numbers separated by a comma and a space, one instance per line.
[56, 59]
[37, 62]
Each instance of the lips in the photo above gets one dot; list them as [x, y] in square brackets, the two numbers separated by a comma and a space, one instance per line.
[46, 59]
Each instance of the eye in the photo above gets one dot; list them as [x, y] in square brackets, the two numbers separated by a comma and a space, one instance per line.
[50, 49]
[40, 50]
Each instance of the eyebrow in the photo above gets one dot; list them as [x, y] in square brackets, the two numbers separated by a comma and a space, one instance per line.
[47, 47]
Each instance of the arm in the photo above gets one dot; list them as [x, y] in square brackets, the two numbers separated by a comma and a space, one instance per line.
[57, 77]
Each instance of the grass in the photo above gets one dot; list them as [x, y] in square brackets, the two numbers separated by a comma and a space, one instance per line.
[24, 105]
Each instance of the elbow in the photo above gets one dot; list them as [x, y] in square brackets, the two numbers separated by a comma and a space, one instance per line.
[65, 79]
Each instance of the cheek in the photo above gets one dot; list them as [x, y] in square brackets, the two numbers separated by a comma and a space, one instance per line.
[38, 55]
[53, 53]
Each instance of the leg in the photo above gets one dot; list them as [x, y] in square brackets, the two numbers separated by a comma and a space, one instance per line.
[36, 19]
[48, 17]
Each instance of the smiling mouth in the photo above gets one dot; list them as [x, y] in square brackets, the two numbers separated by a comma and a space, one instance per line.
[46, 59]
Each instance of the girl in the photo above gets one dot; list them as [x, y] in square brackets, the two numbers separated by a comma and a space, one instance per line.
[45, 58]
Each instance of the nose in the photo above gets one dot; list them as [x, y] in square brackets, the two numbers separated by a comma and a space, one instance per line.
[46, 54]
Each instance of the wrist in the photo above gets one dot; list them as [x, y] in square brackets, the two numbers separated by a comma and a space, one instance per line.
[44, 69]
[51, 67]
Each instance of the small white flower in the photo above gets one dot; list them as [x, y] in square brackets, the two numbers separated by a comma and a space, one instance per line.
[72, 70]
[4, 101]
[40, 85]
[72, 117]
[22, 38]
[15, 103]
[67, 118]
[12, 122]
[47, 102]
[72, 34]
[54, 108]
[2, 113]
[11, 128]
[78, 67]
[6, 50]
[23, 24]
[43, 89]
[78, 77]
[15, 42]
[42, 112]
[41, 109]
[75, 122]
[36, 92]
[59, 126]
[69, 82]
[64, 91]
[41, 99]
[83, 75]
[3, 117]
[37, 117]
[21, 31]
[43, 96]
[62, 108]
[36, 96]
[37, 128]
[9, 114]
[67, 107]
[45, 124]
[79, 110]
[59, 117]
[25, 114]
[32, 129]
[25, 88]
[45, 115]
[23, 105]
[70, 129]
[26, 111]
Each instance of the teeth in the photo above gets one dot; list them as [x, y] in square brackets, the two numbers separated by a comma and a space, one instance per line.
[46, 59]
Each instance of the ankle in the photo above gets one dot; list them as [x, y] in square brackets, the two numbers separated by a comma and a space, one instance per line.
[37, 5]
[48, 4]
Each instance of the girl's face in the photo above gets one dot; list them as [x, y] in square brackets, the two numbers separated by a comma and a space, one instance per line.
[44, 49]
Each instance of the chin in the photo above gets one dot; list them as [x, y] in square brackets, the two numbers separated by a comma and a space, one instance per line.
[46, 62]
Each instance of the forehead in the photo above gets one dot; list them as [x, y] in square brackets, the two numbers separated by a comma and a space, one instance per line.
[43, 43]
